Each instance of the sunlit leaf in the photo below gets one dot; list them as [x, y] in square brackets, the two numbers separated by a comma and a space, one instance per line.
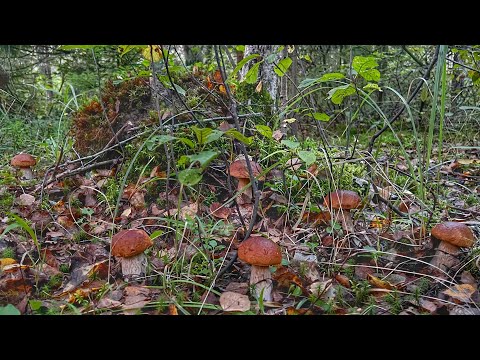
[339, 93]
[252, 74]
[189, 177]
[264, 130]
[282, 67]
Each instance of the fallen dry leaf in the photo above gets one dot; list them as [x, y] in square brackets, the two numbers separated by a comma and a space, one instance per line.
[377, 283]
[172, 309]
[343, 280]
[241, 288]
[462, 293]
[232, 301]
[220, 212]
[6, 261]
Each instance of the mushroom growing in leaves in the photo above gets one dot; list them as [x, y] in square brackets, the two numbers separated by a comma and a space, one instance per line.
[343, 201]
[129, 246]
[24, 162]
[260, 253]
[239, 170]
[452, 236]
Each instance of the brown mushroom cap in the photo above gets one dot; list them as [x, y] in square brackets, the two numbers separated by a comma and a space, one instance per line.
[23, 161]
[131, 242]
[259, 251]
[455, 233]
[342, 199]
[239, 169]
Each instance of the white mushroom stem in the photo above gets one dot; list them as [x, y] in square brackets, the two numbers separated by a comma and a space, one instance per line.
[445, 256]
[26, 173]
[245, 196]
[134, 266]
[261, 279]
[345, 219]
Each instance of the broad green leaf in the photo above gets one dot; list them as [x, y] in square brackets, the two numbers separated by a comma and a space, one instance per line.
[187, 142]
[331, 76]
[79, 47]
[239, 136]
[339, 93]
[306, 57]
[35, 304]
[290, 144]
[240, 48]
[241, 63]
[189, 177]
[213, 136]
[321, 116]
[156, 234]
[365, 67]
[307, 156]
[372, 86]
[9, 310]
[325, 77]
[125, 49]
[252, 74]
[204, 157]
[179, 89]
[202, 134]
[282, 67]
[264, 130]
[184, 160]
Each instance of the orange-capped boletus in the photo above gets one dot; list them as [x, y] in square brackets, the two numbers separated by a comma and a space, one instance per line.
[343, 201]
[452, 236]
[129, 245]
[260, 253]
[239, 170]
[24, 162]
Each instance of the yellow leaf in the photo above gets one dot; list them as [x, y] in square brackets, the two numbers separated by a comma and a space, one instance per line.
[289, 121]
[6, 261]
[461, 292]
[376, 282]
[152, 51]
[222, 89]
[468, 161]
[290, 48]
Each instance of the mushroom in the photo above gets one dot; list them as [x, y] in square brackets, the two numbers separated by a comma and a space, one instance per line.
[344, 200]
[260, 253]
[128, 246]
[452, 236]
[239, 170]
[24, 162]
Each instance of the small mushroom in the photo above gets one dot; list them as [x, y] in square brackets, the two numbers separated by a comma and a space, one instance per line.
[260, 253]
[239, 170]
[128, 246]
[452, 236]
[24, 162]
[344, 201]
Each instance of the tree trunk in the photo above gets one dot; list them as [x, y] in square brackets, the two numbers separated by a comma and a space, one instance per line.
[265, 74]
[45, 68]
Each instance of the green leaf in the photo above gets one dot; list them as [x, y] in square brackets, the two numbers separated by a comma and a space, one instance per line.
[290, 144]
[307, 156]
[282, 67]
[156, 234]
[10, 227]
[35, 304]
[372, 86]
[77, 47]
[158, 140]
[125, 49]
[239, 136]
[187, 142]
[306, 57]
[9, 310]
[339, 93]
[240, 48]
[202, 134]
[321, 116]
[179, 89]
[27, 228]
[204, 157]
[189, 177]
[325, 77]
[241, 63]
[264, 130]
[213, 136]
[365, 67]
[184, 160]
[252, 74]
[331, 76]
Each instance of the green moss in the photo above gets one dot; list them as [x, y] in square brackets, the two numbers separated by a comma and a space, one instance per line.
[9, 252]
[259, 101]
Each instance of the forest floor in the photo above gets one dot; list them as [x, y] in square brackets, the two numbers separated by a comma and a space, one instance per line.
[56, 229]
